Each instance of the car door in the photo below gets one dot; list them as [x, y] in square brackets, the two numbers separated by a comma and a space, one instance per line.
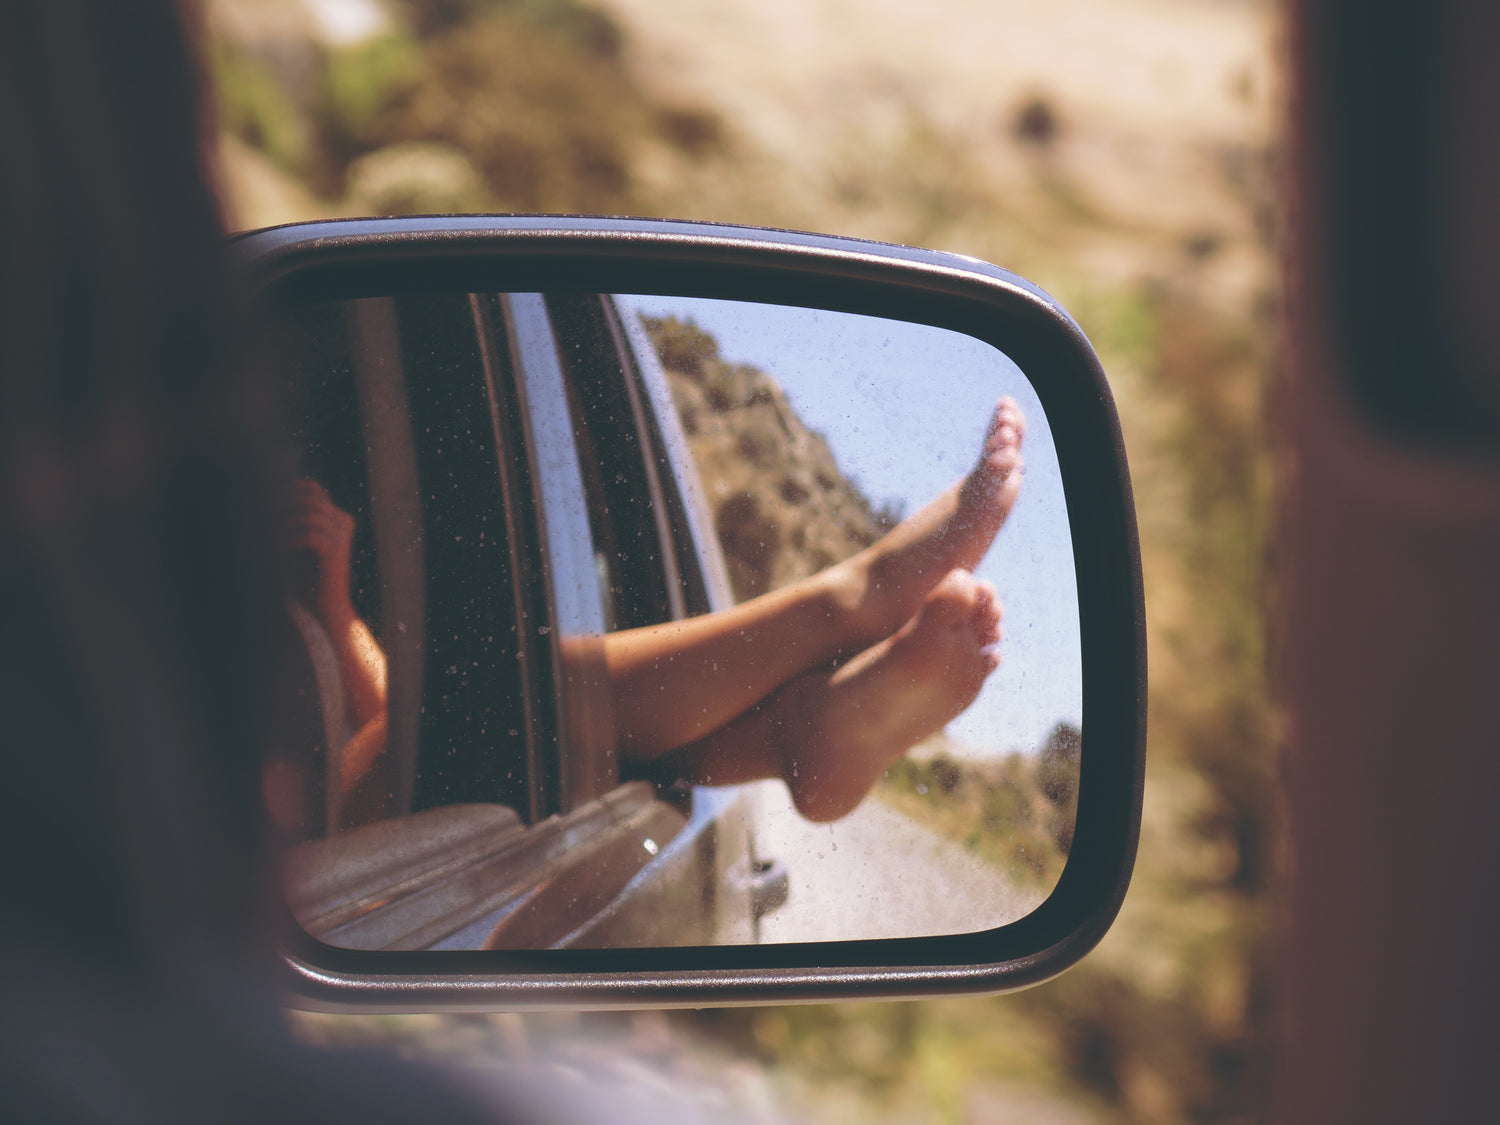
[614, 485]
[518, 501]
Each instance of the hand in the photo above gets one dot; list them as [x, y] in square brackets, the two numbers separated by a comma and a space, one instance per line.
[326, 531]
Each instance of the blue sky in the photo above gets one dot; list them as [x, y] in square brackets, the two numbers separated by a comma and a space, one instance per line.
[904, 407]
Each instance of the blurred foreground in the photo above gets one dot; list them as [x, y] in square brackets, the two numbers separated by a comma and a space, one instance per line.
[1120, 153]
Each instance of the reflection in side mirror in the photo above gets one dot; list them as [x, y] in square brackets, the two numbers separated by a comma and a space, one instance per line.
[644, 621]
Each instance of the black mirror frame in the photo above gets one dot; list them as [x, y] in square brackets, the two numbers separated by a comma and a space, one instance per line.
[362, 257]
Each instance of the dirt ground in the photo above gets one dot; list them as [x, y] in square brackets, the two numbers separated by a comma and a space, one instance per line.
[1117, 140]
[1152, 113]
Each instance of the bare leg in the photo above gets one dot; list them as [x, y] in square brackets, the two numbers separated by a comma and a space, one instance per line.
[678, 681]
[829, 734]
[365, 787]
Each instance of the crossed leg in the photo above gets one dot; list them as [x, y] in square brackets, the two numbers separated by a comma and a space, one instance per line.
[729, 663]
[830, 733]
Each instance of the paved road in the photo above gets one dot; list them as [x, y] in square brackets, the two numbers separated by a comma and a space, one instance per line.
[877, 874]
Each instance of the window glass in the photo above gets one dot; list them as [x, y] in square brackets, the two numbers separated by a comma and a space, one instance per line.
[473, 726]
[327, 460]
[622, 517]
[410, 691]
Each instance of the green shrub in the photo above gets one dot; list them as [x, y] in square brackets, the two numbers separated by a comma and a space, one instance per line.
[256, 107]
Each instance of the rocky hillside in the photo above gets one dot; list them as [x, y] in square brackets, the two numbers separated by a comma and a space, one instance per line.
[782, 508]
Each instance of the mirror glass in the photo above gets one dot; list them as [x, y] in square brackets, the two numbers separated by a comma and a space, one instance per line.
[623, 620]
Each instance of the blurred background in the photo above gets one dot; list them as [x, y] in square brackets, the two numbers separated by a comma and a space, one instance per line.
[1120, 153]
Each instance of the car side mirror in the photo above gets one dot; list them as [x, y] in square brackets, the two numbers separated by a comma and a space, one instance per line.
[689, 614]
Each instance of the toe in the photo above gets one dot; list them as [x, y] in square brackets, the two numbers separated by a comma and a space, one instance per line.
[986, 601]
[987, 625]
[1007, 427]
[952, 599]
[1003, 461]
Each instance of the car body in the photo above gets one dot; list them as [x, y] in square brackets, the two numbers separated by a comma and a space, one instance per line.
[549, 424]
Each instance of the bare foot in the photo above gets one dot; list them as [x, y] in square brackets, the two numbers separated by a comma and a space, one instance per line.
[836, 732]
[996, 480]
[729, 664]
[882, 586]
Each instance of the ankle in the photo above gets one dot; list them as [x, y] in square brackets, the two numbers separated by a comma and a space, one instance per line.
[843, 606]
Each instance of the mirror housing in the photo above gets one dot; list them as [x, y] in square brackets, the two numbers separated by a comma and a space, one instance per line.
[519, 254]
